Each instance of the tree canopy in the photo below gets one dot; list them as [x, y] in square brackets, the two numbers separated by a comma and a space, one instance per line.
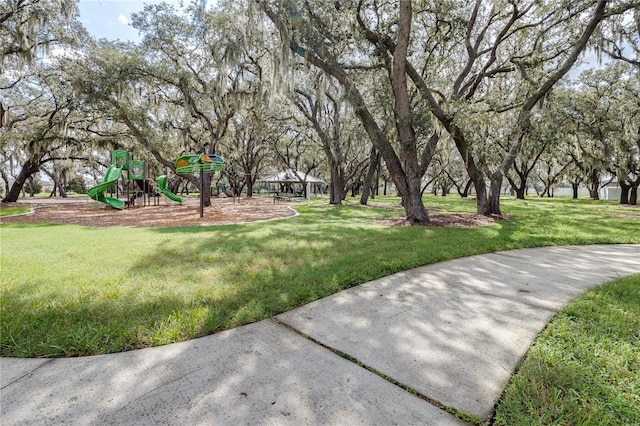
[467, 95]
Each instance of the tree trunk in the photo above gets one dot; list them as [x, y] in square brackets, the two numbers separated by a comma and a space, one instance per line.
[376, 187]
[633, 195]
[5, 178]
[249, 183]
[320, 56]
[374, 162]
[494, 193]
[519, 189]
[57, 184]
[522, 173]
[336, 182]
[414, 207]
[545, 189]
[624, 192]
[248, 176]
[593, 184]
[466, 189]
[240, 187]
[574, 187]
[28, 169]
[31, 186]
[185, 187]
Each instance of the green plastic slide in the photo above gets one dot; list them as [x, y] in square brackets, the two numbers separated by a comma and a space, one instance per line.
[161, 181]
[97, 192]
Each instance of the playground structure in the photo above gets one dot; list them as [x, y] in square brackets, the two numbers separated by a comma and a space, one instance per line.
[137, 172]
[161, 185]
[199, 163]
[110, 178]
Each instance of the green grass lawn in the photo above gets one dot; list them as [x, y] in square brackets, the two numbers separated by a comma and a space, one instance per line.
[9, 211]
[71, 290]
[584, 368]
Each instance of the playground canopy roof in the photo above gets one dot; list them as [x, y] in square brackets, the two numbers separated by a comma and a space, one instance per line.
[291, 176]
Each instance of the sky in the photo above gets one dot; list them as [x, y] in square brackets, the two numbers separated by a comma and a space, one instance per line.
[110, 19]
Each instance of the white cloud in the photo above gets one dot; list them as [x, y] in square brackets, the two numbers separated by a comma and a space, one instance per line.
[123, 19]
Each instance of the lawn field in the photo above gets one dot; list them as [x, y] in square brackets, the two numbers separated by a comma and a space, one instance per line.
[70, 290]
[584, 368]
[8, 211]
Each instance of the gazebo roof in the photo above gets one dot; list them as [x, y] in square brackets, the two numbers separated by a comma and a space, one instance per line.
[291, 176]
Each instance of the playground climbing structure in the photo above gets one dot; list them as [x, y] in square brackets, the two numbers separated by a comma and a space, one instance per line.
[122, 160]
[199, 163]
[136, 173]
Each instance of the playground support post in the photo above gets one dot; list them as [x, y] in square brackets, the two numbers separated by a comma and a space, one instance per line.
[201, 193]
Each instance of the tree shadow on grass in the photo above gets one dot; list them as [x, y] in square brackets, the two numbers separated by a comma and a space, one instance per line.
[202, 280]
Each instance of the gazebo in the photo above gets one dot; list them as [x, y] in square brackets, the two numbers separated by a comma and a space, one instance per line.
[290, 178]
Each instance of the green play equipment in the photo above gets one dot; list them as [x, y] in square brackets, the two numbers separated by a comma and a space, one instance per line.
[123, 160]
[190, 164]
[136, 169]
[110, 178]
[120, 158]
[161, 185]
[199, 163]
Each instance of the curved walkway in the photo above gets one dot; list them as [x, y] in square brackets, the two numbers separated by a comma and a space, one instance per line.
[443, 335]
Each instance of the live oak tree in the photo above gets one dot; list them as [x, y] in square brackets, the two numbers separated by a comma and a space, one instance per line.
[45, 123]
[605, 111]
[447, 171]
[455, 55]
[294, 149]
[211, 71]
[37, 120]
[246, 145]
[330, 120]
[533, 43]
[262, 111]
[320, 33]
[112, 79]
[626, 114]
[618, 37]
[169, 92]
[323, 116]
[187, 58]
[590, 156]
[28, 28]
[545, 154]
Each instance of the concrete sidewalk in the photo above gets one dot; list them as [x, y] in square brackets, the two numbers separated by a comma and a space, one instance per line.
[451, 333]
